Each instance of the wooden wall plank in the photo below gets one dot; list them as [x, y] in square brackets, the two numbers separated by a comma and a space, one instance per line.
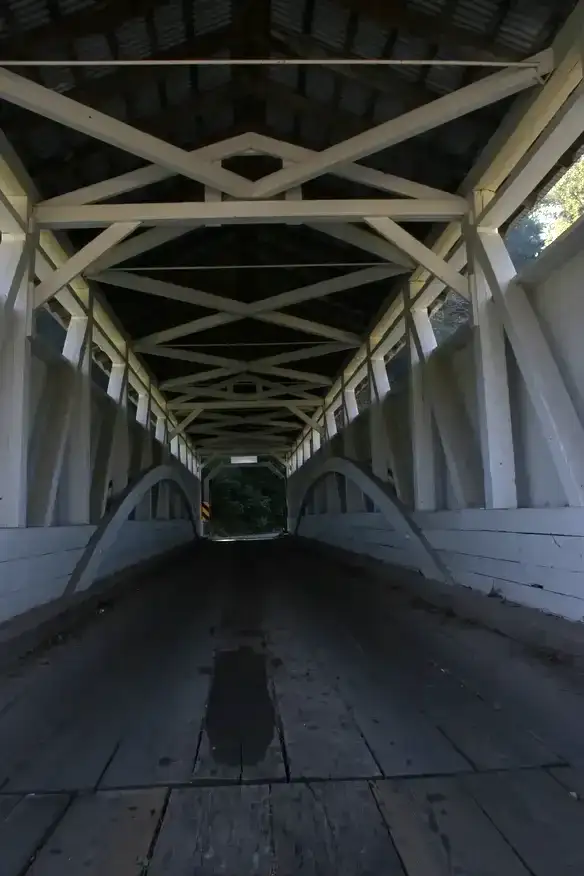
[562, 581]
[554, 551]
[558, 521]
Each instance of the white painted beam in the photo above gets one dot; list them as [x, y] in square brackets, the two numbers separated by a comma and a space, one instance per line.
[367, 176]
[48, 441]
[15, 383]
[201, 393]
[193, 327]
[261, 403]
[564, 130]
[185, 423]
[420, 252]
[547, 390]
[528, 117]
[152, 173]
[265, 365]
[451, 106]
[493, 403]
[128, 280]
[365, 240]
[82, 260]
[51, 105]
[243, 212]
[145, 242]
[421, 426]
[78, 454]
[523, 124]
[309, 421]
[328, 287]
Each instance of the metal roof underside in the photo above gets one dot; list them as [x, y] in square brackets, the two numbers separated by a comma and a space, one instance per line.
[314, 107]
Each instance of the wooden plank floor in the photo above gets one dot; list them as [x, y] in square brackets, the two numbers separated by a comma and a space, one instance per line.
[255, 709]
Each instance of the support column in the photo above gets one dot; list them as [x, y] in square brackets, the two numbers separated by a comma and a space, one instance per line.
[319, 490]
[494, 409]
[16, 288]
[332, 497]
[144, 509]
[78, 457]
[354, 497]
[559, 420]
[379, 444]
[119, 461]
[59, 454]
[454, 427]
[422, 437]
[162, 509]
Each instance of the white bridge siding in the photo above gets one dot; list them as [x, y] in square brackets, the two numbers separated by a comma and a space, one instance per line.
[533, 554]
[541, 569]
[75, 449]
[36, 562]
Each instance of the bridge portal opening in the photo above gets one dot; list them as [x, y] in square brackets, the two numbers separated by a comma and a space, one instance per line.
[246, 496]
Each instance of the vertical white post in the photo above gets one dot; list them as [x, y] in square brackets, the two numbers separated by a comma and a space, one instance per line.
[454, 428]
[143, 413]
[16, 289]
[559, 420]
[354, 496]
[306, 448]
[420, 421]
[332, 497]
[330, 424]
[119, 462]
[494, 409]
[161, 429]
[381, 460]
[58, 429]
[316, 440]
[78, 459]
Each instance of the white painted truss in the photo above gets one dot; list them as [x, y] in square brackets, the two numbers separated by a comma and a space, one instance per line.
[468, 257]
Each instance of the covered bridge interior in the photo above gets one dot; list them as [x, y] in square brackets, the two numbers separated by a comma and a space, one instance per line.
[282, 230]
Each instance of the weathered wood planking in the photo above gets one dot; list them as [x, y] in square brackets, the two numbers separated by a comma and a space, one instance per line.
[406, 666]
[439, 829]
[330, 829]
[537, 816]
[321, 737]
[215, 830]
[403, 740]
[25, 822]
[159, 743]
[572, 778]
[109, 832]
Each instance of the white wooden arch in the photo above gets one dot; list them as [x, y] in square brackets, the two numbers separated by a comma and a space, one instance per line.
[387, 502]
[110, 525]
